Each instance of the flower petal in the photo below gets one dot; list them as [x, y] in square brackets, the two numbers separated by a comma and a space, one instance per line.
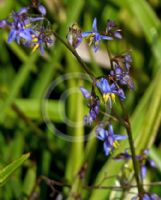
[12, 36]
[101, 133]
[143, 171]
[105, 37]
[107, 148]
[85, 93]
[85, 34]
[120, 137]
[42, 9]
[103, 85]
[94, 25]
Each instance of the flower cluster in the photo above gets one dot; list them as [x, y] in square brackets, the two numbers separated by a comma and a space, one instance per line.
[142, 159]
[29, 29]
[93, 38]
[120, 70]
[109, 86]
[93, 104]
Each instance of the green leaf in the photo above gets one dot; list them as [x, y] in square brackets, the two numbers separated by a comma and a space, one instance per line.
[7, 171]
[149, 23]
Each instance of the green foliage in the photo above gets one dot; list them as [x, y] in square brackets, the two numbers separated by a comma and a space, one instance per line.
[25, 80]
[8, 170]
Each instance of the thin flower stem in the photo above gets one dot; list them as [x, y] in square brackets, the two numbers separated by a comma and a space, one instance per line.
[73, 51]
[126, 118]
[127, 125]
[132, 148]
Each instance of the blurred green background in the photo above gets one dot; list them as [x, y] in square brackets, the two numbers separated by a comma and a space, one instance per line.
[25, 79]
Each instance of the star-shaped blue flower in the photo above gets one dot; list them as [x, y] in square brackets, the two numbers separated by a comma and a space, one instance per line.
[110, 139]
[109, 91]
[94, 37]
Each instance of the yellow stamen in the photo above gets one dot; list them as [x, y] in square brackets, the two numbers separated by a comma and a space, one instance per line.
[27, 25]
[106, 97]
[90, 39]
[34, 38]
[113, 97]
[116, 144]
[36, 46]
[109, 95]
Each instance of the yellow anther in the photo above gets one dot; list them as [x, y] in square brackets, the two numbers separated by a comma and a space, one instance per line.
[36, 46]
[27, 25]
[109, 95]
[116, 144]
[34, 38]
[90, 39]
[106, 97]
[113, 97]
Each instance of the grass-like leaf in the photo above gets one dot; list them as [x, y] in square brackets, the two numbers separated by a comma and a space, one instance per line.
[7, 171]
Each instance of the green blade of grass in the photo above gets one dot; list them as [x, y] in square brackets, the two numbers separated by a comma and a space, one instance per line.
[149, 23]
[18, 83]
[7, 171]
[37, 110]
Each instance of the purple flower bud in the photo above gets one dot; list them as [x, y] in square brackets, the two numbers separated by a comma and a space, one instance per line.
[23, 10]
[146, 151]
[117, 35]
[152, 163]
[128, 58]
[110, 25]
[155, 197]
[146, 197]
[96, 109]
[143, 171]
[118, 70]
[42, 9]
[3, 23]
[85, 93]
[93, 114]
[121, 94]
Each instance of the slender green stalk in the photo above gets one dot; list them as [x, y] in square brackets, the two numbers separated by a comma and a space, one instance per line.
[127, 125]
[72, 50]
[132, 148]
[126, 118]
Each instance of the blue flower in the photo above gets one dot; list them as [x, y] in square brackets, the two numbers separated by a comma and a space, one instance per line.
[110, 139]
[94, 37]
[17, 34]
[3, 23]
[109, 91]
[20, 26]
[42, 9]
